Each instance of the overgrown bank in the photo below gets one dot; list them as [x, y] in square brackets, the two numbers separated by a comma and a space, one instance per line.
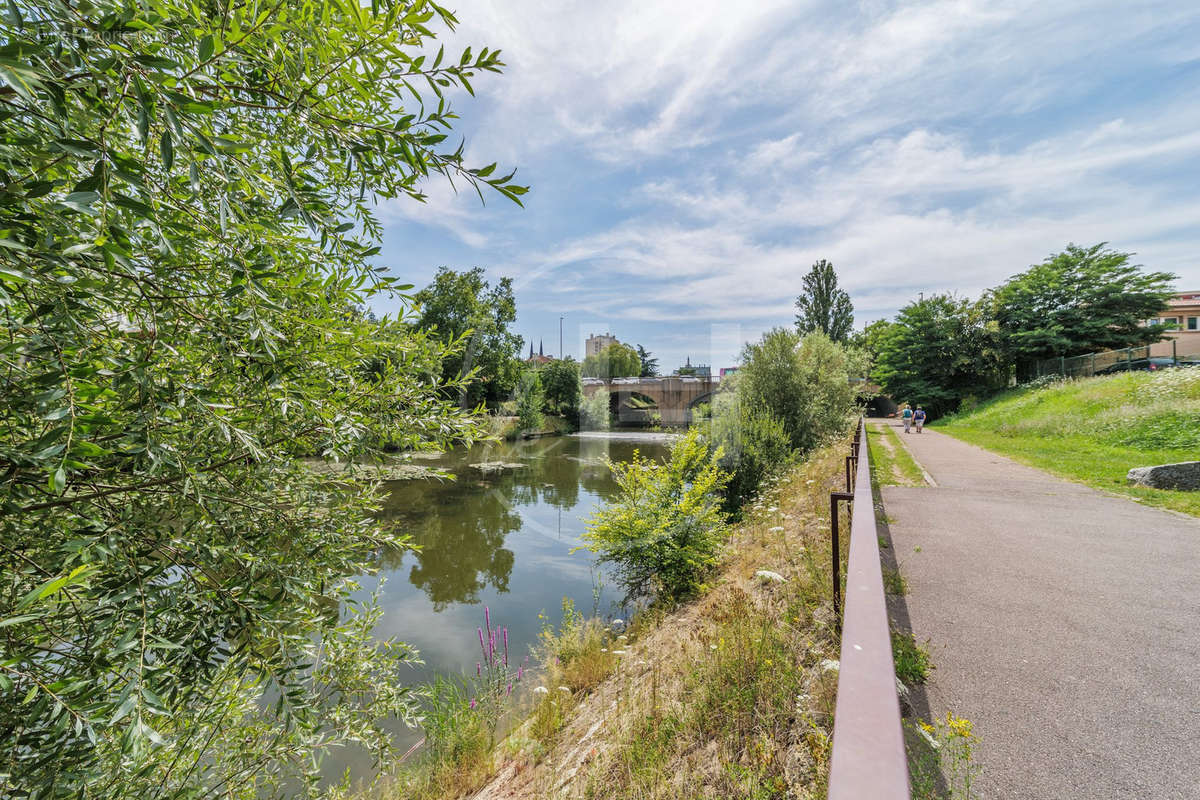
[1095, 430]
[729, 695]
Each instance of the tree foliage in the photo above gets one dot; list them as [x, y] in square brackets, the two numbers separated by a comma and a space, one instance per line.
[186, 224]
[803, 383]
[463, 305]
[664, 529]
[530, 399]
[1079, 301]
[649, 364]
[560, 380]
[594, 411]
[822, 306]
[614, 361]
[940, 350]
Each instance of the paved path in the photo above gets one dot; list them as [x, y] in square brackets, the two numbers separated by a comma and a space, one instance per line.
[1065, 623]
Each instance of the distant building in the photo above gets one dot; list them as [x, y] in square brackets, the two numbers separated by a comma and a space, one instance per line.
[595, 343]
[697, 371]
[728, 371]
[539, 358]
[1183, 318]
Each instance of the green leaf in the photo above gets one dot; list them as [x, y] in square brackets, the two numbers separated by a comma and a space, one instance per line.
[58, 480]
[166, 150]
[206, 47]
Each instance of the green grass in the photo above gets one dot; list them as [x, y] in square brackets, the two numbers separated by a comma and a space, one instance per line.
[912, 659]
[894, 466]
[1095, 430]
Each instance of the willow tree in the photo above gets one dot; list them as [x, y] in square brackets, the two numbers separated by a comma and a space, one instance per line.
[186, 228]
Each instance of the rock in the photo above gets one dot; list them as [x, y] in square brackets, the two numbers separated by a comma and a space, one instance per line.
[496, 467]
[1184, 475]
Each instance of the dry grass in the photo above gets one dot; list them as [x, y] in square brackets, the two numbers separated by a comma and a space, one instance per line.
[730, 695]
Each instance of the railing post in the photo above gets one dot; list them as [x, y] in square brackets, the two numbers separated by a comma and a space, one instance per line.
[834, 519]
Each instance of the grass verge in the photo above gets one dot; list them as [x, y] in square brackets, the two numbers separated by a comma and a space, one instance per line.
[1095, 430]
[891, 463]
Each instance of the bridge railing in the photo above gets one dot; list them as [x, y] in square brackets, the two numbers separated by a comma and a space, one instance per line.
[868, 742]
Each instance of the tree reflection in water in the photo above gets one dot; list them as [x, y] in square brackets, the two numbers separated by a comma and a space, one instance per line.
[459, 527]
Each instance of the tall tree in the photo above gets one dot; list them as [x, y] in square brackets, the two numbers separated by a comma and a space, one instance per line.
[186, 220]
[822, 306]
[615, 361]
[463, 306]
[939, 350]
[649, 363]
[560, 380]
[1079, 301]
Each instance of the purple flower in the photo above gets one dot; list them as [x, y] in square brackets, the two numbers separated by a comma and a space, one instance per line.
[506, 647]
[510, 687]
[487, 618]
[491, 645]
[520, 673]
[472, 703]
[478, 668]
[481, 645]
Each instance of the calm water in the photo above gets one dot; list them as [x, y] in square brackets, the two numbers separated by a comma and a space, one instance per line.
[503, 541]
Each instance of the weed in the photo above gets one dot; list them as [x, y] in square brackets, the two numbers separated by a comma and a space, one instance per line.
[893, 582]
[912, 659]
[941, 758]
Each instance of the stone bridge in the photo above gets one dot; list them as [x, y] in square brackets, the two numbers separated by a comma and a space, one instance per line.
[668, 401]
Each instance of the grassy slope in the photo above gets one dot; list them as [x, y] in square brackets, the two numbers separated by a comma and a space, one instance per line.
[728, 696]
[1096, 429]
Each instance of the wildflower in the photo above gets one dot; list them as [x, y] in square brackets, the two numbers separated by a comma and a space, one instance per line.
[487, 618]
[772, 509]
[506, 647]
[712, 647]
[829, 665]
[566, 689]
[541, 690]
[520, 673]
[478, 669]
[618, 652]
[472, 704]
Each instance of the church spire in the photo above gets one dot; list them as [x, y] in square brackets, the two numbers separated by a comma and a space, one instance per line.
[531, 349]
[540, 347]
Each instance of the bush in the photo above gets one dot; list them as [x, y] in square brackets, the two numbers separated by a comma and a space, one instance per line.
[593, 412]
[530, 398]
[663, 530]
[789, 397]
[754, 445]
[560, 379]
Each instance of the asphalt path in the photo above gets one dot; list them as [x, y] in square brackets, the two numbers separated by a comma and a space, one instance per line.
[1064, 623]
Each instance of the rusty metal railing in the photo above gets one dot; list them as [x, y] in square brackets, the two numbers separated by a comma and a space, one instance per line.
[868, 743]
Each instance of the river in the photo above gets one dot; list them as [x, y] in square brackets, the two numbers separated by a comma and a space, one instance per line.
[502, 540]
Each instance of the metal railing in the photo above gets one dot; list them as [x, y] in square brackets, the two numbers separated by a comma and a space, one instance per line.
[1108, 361]
[868, 760]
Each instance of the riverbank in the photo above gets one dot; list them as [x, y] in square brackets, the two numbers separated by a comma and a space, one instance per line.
[729, 695]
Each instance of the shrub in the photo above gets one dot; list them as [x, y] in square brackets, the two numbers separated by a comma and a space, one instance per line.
[663, 530]
[530, 398]
[791, 394]
[593, 412]
[754, 445]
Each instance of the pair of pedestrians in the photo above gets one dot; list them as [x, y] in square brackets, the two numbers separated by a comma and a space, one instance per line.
[913, 417]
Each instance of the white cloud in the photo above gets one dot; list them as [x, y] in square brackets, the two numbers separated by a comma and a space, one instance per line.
[931, 146]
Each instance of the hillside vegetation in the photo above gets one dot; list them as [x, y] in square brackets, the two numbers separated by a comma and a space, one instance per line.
[1096, 429]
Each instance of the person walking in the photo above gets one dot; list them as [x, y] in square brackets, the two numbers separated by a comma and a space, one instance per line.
[919, 418]
[907, 415]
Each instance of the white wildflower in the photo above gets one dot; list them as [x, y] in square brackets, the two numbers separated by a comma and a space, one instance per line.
[830, 664]
[776, 529]
[541, 690]
[767, 576]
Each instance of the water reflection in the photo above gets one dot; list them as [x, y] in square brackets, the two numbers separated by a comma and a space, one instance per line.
[504, 540]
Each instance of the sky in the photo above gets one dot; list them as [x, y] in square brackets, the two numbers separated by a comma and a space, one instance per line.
[688, 162]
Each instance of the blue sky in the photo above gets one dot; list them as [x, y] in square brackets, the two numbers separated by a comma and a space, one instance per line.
[689, 161]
